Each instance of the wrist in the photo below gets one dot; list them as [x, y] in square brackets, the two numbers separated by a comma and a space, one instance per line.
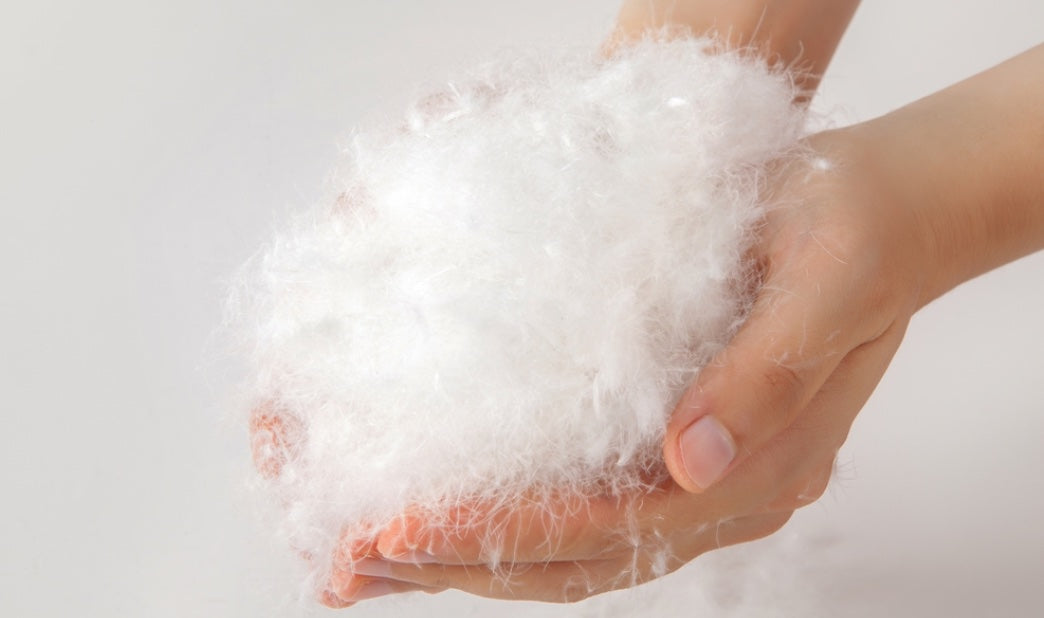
[798, 34]
[967, 165]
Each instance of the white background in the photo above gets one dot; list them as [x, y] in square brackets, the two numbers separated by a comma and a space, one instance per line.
[145, 150]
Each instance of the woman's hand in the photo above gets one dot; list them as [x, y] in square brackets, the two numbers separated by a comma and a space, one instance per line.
[889, 215]
[614, 543]
[772, 410]
[844, 266]
[880, 219]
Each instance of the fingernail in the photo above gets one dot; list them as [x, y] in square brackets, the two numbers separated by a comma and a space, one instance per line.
[707, 449]
[372, 591]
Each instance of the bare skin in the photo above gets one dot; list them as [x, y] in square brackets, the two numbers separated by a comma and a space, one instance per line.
[799, 34]
[889, 215]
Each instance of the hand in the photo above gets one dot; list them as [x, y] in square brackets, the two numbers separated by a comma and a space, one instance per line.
[907, 206]
[843, 269]
[771, 410]
[598, 546]
[879, 220]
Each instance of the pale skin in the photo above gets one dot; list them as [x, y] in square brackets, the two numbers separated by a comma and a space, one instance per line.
[885, 217]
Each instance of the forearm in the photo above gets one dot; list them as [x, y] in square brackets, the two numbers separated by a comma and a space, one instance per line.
[796, 33]
[969, 161]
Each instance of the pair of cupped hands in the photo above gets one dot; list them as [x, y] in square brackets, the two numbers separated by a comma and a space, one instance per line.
[872, 223]
[752, 440]
[848, 251]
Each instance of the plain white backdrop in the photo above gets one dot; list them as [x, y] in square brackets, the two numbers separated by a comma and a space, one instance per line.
[145, 150]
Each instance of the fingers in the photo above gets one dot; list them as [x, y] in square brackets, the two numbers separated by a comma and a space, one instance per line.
[347, 589]
[824, 426]
[799, 330]
[567, 528]
[274, 436]
[583, 530]
[573, 549]
[790, 471]
[567, 581]
[652, 535]
[330, 599]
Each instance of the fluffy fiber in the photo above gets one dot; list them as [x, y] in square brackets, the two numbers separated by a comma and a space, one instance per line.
[514, 287]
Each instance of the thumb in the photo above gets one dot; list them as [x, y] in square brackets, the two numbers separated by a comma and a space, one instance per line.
[797, 333]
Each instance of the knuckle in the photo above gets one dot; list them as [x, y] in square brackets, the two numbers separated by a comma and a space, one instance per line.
[782, 377]
[879, 299]
[805, 492]
[812, 493]
[817, 486]
[463, 531]
[785, 387]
